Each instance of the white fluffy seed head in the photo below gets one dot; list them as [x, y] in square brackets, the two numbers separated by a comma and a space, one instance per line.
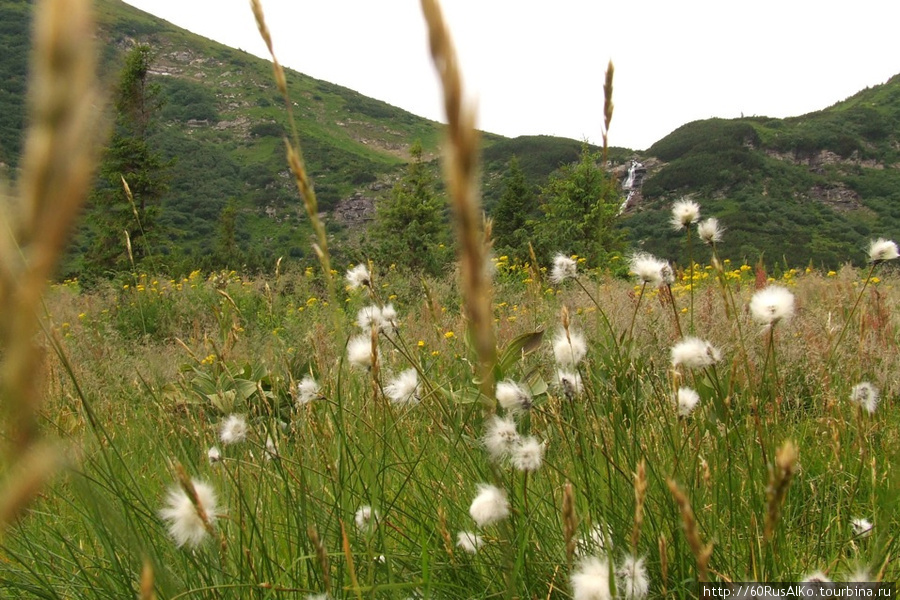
[648, 269]
[686, 400]
[307, 391]
[695, 353]
[469, 541]
[489, 506]
[632, 582]
[366, 519]
[709, 231]
[881, 250]
[772, 304]
[213, 455]
[569, 351]
[684, 214]
[359, 351]
[500, 437]
[404, 388]
[512, 396]
[564, 268]
[358, 277]
[233, 430]
[597, 542]
[861, 527]
[184, 522]
[865, 395]
[570, 383]
[528, 455]
[591, 580]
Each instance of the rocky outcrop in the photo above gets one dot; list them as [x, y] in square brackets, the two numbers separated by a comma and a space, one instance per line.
[358, 209]
[838, 197]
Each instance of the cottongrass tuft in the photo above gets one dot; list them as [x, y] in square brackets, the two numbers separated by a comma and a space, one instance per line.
[513, 397]
[709, 231]
[404, 388]
[489, 506]
[596, 542]
[469, 541]
[358, 277]
[686, 400]
[359, 351]
[569, 349]
[816, 577]
[528, 455]
[591, 580]
[213, 455]
[382, 318]
[649, 269]
[865, 395]
[772, 304]
[570, 382]
[564, 268]
[185, 524]
[632, 582]
[307, 391]
[695, 353]
[500, 438]
[271, 449]
[881, 250]
[861, 527]
[366, 519]
[684, 214]
[234, 430]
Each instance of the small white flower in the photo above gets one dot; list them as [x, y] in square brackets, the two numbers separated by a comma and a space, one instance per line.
[528, 455]
[185, 524]
[865, 395]
[772, 304]
[359, 351]
[687, 400]
[358, 277]
[489, 506]
[881, 250]
[234, 430]
[591, 580]
[695, 353]
[632, 582]
[684, 214]
[500, 438]
[861, 527]
[709, 231]
[404, 389]
[649, 269]
[570, 382]
[366, 519]
[307, 391]
[512, 396]
[563, 268]
[569, 351]
[213, 455]
[469, 541]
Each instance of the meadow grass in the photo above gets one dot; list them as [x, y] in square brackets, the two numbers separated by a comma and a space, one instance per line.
[488, 434]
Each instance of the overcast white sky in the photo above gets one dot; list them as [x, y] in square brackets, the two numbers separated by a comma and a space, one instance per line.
[536, 67]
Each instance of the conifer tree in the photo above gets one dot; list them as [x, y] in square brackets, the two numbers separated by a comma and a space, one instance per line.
[580, 206]
[129, 155]
[514, 213]
[411, 229]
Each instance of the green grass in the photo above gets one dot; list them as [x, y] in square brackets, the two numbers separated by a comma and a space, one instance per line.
[140, 370]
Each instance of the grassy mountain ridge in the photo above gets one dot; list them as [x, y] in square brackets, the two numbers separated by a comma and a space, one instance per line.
[809, 188]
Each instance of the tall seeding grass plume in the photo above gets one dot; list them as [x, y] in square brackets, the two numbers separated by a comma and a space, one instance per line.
[511, 430]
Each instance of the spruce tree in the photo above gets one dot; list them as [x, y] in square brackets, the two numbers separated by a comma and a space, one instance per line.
[411, 229]
[580, 206]
[129, 156]
[513, 215]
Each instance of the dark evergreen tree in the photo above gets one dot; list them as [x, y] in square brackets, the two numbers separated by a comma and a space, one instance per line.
[411, 229]
[514, 214]
[129, 156]
[580, 206]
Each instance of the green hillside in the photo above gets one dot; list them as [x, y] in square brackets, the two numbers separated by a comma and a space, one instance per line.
[809, 188]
